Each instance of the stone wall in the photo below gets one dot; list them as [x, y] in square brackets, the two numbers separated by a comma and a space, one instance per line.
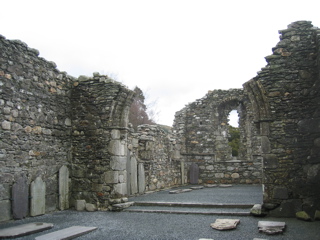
[155, 149]
[35, 122]
[100, 108]
[285, 96]
[202, 130]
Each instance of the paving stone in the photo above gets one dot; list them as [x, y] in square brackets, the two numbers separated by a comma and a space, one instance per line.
[67, 233]
[270, 227]
[24, 229]
[225, 224]
[211, 185]
[20, 198]
[38, 197]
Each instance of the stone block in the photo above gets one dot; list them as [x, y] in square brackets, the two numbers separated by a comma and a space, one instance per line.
[117, 147]
[118, 163]
[235, 175]
[111, 177]
[4, 191]
[80, 205]
[120, 188]
[115, 134]
[38, 197]
[265, 144]
[5, 210]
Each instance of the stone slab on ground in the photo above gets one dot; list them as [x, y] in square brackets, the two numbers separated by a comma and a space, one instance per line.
[24, 229]
[196, 187]
[67, 233]
[225, 224]
[180, 191]
[225, 185]
[270, 227]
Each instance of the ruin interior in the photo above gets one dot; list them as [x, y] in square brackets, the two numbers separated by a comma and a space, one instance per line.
[70, 137]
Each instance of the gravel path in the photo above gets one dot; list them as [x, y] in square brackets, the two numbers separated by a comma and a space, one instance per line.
[126, 225]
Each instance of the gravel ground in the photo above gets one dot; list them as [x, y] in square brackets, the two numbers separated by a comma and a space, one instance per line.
[126, 225]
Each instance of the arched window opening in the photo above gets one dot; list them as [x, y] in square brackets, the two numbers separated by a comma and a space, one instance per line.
[234, 132]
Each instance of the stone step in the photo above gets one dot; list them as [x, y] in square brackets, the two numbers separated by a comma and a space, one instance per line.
[67, 233]
[191, 208]
[24, 229]
[194, 205]
[199, 211]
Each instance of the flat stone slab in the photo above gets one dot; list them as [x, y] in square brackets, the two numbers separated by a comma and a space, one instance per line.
[180, 191]
[225, 224]
[225, 185]
[270, 227]
[67, 233]
[211, 185]
[24, 229]
[197, 187]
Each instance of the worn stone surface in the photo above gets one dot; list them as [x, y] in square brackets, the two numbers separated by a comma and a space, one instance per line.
[63, 188]
[24, 229]
[38, 197]
[302, 215]
[180, 191]
[225, 224]
[270, 227]
[5, 209]
[256, 210]
[194, 173]
[90, 207]
[80, 205]
[20, 198]
[67, 233]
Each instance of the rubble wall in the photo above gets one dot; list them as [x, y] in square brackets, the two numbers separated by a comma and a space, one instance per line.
[285, 97]
[35, 122]
[100, 108]
[202, 130]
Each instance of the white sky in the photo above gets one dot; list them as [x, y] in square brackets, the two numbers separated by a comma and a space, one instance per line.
[174, 50]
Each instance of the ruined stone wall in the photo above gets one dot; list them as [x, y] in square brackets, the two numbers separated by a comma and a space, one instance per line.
[100, 108]
[155, 149]
[202, 128]
[35, 122]
[285, 100]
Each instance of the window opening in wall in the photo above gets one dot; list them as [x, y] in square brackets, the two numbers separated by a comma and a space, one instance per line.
[234, 132]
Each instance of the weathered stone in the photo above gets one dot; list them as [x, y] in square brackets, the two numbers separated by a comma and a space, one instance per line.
[38, 197]
[90, 207]
[63, 188]
[302, 215]
[270, 227]
[80, 205]
[141, 178]
[111, 177]
[317, 215]
[121, 206]
[256, 210]
[24, 229]
[194, 173]
[5, 209]
[225, 224]
[120, 189]
[67, 233]
[20, 198]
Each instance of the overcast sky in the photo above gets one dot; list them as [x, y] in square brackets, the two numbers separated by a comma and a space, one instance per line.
[174, 50]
